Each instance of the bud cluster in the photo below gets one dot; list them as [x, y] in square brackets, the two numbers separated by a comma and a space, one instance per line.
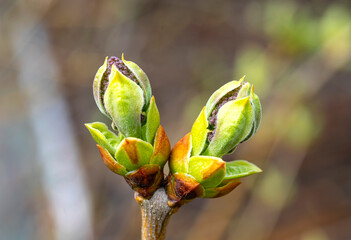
[138, 148]
[231, 116]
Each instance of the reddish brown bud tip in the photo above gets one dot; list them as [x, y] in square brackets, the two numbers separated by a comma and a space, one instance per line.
[145, 180]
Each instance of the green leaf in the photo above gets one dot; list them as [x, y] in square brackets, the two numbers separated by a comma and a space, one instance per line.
[179, 158]
[142, 79]
[239, 169]
[162, 148]
[199, 133]
[152, 121]
[208, 171]
[124, 101]
[103, 136]
[133, 153]
[97, 88]
[256, 105]
[257, 109]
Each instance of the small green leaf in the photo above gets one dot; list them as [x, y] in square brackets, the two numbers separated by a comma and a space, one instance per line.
[208, 171]
[239, 169]
[142, 79]
[103, 136]
[133, 153]
[162, 148]
[180, 154]
[256, 106]
[124, 101]
[199, 133]
[97, 88]
[257, 109]
[152, 121]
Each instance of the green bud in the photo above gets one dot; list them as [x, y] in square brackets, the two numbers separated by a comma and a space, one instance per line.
[231, 116]
[122, 92]
[141, 148]
[234, 123]
[124, 102]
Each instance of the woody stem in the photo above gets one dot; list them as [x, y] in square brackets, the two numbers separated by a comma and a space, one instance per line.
[155, 214]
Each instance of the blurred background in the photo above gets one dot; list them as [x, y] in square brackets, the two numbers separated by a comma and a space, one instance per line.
[53, 184]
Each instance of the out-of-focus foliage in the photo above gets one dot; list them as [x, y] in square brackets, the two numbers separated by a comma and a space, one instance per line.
[297, 54]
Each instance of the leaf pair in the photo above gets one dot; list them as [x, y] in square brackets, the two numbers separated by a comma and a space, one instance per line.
[138, 161]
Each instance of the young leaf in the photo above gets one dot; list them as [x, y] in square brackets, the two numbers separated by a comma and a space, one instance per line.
[208, 171]
[199, 133]
[152, 121]
[103, 136]
[239, 169]
[133, 153]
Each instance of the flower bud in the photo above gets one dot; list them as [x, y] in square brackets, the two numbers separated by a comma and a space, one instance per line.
[122, 92]
[232, 115]
[141, 147]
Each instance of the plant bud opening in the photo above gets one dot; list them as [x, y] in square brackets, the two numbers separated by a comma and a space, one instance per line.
[212, 119]
[121, 67]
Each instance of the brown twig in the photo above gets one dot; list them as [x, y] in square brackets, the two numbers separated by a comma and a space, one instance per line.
[155, 214]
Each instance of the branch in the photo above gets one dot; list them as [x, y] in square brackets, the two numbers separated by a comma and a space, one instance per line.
[155, 214]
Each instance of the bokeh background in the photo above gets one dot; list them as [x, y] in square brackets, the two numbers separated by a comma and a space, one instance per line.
[53, 184]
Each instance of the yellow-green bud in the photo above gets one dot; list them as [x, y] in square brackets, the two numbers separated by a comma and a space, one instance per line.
[232, 115]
